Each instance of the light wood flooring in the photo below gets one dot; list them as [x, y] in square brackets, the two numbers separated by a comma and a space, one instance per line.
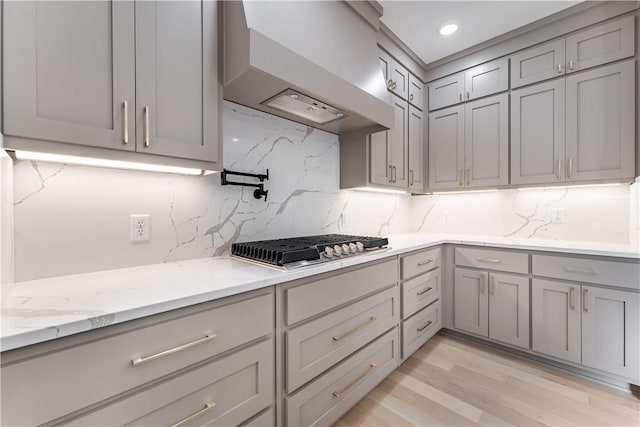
[452, 382]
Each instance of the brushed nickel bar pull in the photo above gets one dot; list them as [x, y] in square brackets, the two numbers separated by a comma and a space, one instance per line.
[572, 298]
[390, 173]
[207, 407]
[481, 284]
[141, 360]
[125, 137]
[146, 125]
[411, 97]
[395, 174]
[571, 65]
[468, 174]
[460, 96]
[585, 300]
[460, 182]
[425, 262]
[422, 328]
[492, 286]
[424, 291]
[339, 393]
[356, 329]
[467, 96]
[560, 68]
[579, 270]
[410, 176]
[559, 169]
[570, 168]
[493, 261]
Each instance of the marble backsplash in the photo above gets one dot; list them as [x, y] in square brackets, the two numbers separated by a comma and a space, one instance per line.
[75, 219]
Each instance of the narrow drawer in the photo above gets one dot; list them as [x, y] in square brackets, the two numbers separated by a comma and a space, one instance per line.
[73, 378]
[419, 292]
[492, 259]
[418, 329]
[329, 397]
[316, 346]
[623, 274]
[418, 263]
[313, 298]
[222, 393]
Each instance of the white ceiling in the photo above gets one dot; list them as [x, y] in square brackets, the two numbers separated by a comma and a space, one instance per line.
[417, 22]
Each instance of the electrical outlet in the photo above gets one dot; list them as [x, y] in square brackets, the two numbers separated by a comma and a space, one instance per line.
[557, 215]
[139, 228]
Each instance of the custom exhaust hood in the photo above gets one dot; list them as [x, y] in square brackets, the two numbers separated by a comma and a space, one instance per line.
[313, 62]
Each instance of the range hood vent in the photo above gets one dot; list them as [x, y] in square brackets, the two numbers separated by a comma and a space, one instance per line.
[313, 62]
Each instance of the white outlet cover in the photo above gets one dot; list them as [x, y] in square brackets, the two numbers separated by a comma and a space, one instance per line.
[139, 227]
[557, 215]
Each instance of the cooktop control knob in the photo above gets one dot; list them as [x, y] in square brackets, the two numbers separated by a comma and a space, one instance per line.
[338, 250]
[360, 247]
[346, 249]
[328, 251]
[353, 248]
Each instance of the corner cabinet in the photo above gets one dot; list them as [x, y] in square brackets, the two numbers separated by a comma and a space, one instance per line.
[137, 77]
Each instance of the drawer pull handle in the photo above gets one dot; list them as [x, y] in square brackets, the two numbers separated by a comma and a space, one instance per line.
[125, 137]
[578, 270]
[585, 300]
[357, 328]
[339, 393]
[572, 298]
[146, 125]
[422, 328]
[424, 291]
[425, 262]
[141, 360]
[196, 415]
[494, 261]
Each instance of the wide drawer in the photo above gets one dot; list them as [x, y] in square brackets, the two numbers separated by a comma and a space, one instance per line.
[325, 400]
[266, 419]
[222, 393]
[313, 298]
[418, 263]
[73, 378]
[418, 329]
[624, 274]
[492, 259]
[316, 346]
[419, 292]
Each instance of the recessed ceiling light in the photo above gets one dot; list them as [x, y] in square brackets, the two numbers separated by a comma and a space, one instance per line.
[447, 29]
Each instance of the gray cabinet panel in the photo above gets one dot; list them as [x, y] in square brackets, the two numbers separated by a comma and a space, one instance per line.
[379, 158]
[446, 148]
[599, 45]
[538, 63]
[556, 319]
[68, 69]
[487, 142]
[509, 309]
[385, 65]
[175, 79]
[601, 123]
[400, 80]
[538, 133]
[446, 91]
[471, 304]
[487, 79]
[416, 150]
[399, 143]
[415, 92]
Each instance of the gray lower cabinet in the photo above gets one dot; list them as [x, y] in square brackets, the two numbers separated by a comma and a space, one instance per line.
[471, 307]
[415, 147]
[446, 148]
[538, 63]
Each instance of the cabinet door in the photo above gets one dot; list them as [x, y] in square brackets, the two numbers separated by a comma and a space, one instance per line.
[471, 303]
[599, 45]
[399, 143]
[509, 309]
[176, 79]
[446, 91]
[446, 148]
[601, 118]
[69, 68]
[386, 63]
[538, 63]
[556, 319]
[486, 142]
[415, 92]
[537, 133]
[487, 79]
[399, 79]
[379, 158]
[611, 331]
[416, 150]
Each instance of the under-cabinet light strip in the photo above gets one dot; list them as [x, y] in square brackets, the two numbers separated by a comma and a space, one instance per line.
[379, 190]
[614, 184]
[105, 163]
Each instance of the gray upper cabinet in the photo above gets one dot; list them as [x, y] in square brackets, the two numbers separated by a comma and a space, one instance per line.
[601, 117]
[69, 69]
[486, 79]
[415, 92]
[446, 148]
[538, 133]
[399, 143]
[396, 76]
[416, 150]
[379, 158]
[446, 91]
[605, 43]
[176, 84]
[486, 143]
[538, 63]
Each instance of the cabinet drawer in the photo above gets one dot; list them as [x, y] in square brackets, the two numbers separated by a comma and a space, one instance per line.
[493, 260]
[235, 387]
[421, 262]
[73, 378]
[612, 273]
[313, 298]
[418, 329]
[316, 346]
[419, 292]
[487, 79]
[329, 397]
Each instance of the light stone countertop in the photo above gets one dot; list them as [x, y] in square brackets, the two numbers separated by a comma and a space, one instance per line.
[41, 310]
